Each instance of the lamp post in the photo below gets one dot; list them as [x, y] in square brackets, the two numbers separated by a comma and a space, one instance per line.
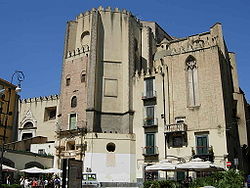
[20, 78]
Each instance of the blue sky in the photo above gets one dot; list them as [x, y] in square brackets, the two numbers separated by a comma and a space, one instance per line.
[32, 33]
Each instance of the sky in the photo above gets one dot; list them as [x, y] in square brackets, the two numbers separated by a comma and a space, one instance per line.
[32, 33]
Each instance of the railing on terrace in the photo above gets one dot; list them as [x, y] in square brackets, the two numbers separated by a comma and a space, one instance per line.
[149, 95]
[149, 122]
[176, 127]
[150, 150]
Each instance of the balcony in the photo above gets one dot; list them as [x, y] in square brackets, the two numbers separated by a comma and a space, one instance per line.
[150, 122]
[150, 151]
[149, 95]
[203, 152]
[176, 127]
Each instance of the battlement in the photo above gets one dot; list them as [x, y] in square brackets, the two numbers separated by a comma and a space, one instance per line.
[40, 99]
[83, 50]
[107, 9]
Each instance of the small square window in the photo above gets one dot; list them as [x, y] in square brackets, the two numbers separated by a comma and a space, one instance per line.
[50, 113]
[41, 151]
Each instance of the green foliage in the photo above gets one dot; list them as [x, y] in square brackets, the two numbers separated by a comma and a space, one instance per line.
[10, 186]
[161, 184]
[227, 179]
[151, 184]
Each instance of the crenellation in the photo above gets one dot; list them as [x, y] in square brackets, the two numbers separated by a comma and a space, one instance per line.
[78, 51]
[116, 9]
[108, 9]
[100, 8]
[37, 99]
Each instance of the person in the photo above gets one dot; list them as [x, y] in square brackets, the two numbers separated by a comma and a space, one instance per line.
[22, 181]
[46, 182]
[8, 180]
[248, 181]
[34, 183]
[26, 183]
[57, 182]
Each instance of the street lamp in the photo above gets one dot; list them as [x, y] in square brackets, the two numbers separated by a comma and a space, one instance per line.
[20, 77]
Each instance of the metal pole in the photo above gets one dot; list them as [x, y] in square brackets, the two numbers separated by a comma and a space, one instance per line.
[4, 136]
[164, 109]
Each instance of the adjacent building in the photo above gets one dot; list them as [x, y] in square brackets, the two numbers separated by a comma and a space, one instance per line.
[8, 111]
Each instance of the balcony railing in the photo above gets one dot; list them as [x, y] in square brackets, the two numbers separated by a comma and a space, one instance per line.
[148, 95]
[176, 127]
[203, 152]
[150, 150]
[150, 122]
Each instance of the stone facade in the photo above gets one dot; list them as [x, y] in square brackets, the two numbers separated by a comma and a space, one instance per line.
[127, 83]
[38, 117]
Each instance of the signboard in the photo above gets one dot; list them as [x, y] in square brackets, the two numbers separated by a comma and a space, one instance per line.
[72, 173]
[229, 164]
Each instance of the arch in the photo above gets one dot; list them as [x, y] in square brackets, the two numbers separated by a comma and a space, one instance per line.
[85, 37]
[190, 62]
[8, 162]
[28, 125]
[192, 81]
[73, 103]
[33, 164]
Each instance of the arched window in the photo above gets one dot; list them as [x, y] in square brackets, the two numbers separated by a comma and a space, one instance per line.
[67, 80]
[74, 102]
[28, 125]
[85, 38]
[83, 77]
[192, 82]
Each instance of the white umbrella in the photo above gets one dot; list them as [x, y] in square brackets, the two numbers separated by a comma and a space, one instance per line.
[33, 170]
[162, 165]
[52, 170]
[198, 164]
[8, 168]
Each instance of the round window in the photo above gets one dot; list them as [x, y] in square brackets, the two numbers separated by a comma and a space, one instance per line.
[110, 147]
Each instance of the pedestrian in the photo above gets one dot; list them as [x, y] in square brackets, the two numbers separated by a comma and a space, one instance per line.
[57, 182]
[8, 180]
[26, 183]
[21, 181]
[46, 182]
[34, 183]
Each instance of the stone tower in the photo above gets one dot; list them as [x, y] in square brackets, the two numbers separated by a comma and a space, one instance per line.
[103, 49]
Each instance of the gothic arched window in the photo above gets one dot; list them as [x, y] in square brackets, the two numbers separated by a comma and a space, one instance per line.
[74, 102]
[192, 82]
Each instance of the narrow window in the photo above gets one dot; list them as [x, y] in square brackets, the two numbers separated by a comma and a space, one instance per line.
[67, 81]
[150, 143]
[73, 102]
[201, 144]
[149, 119]
[72, 121]
[192, 82]
[149, 88]
[83, 77]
